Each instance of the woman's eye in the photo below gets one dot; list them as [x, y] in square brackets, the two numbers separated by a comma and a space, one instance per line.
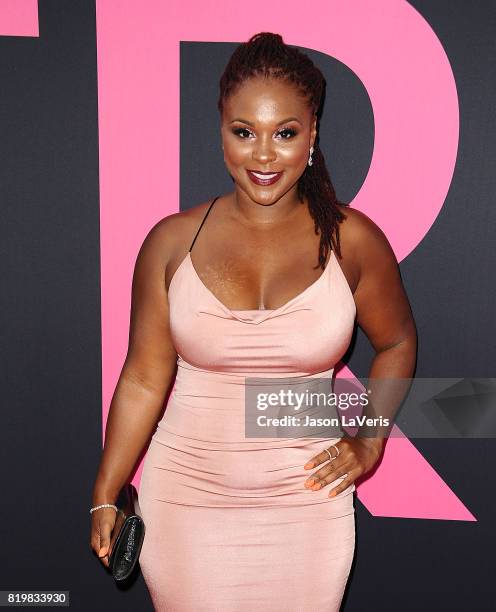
[241, 132]
[287, 133]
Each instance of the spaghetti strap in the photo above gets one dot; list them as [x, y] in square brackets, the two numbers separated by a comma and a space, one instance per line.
[201, 225]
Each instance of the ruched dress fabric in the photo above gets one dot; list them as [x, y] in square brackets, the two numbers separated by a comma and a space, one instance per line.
[230, 526]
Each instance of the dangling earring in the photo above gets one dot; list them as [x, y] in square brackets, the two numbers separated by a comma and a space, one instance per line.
[310, 161]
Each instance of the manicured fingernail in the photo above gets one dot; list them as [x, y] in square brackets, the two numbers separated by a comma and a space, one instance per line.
[310, 482]
[332, 493]
[317, 486]
[309, 466]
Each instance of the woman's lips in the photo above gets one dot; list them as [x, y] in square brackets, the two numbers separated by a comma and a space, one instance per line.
[260, 178]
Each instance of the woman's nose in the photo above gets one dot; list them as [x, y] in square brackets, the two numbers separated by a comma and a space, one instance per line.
[264, 150]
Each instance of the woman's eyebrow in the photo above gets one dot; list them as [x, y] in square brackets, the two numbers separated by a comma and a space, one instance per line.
[280, 122]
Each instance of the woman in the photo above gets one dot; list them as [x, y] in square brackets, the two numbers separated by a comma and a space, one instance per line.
[235, 523]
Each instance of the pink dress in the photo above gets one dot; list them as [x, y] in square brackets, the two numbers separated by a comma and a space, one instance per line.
[230, 526]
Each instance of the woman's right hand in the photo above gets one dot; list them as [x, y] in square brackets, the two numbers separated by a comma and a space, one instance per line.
[102, 524]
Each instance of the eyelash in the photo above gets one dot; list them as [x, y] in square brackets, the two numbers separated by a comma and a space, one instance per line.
[238, 131]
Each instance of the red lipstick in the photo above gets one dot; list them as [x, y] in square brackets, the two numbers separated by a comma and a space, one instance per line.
[256, 177]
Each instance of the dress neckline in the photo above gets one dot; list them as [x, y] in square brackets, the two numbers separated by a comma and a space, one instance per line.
[258, 311]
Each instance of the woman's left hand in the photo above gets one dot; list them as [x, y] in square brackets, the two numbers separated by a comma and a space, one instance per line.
[357, 456]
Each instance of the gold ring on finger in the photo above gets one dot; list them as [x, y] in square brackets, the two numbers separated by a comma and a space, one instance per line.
[329, 452]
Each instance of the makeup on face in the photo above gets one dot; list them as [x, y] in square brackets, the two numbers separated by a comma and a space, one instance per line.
[267, 129]
[264, 178]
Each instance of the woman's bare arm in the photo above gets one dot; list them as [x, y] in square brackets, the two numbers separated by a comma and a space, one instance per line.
[385, 316]
[148, 369]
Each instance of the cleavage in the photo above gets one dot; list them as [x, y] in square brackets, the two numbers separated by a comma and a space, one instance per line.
[234, 283]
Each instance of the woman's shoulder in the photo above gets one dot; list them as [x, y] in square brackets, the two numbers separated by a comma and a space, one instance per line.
[175, 232]
[362, 238]
[358, 228]
[181, 222]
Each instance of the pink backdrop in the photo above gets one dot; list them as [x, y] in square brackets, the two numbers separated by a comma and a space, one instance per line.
[404, 68]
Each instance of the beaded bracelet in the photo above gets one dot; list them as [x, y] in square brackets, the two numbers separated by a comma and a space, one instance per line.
[103, 506]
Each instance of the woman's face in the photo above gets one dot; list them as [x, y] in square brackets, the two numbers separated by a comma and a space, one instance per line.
[267, 127]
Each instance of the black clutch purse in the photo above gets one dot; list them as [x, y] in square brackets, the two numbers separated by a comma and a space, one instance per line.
[127, 535]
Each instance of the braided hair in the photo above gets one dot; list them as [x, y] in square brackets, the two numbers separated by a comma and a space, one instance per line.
[265, 54]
